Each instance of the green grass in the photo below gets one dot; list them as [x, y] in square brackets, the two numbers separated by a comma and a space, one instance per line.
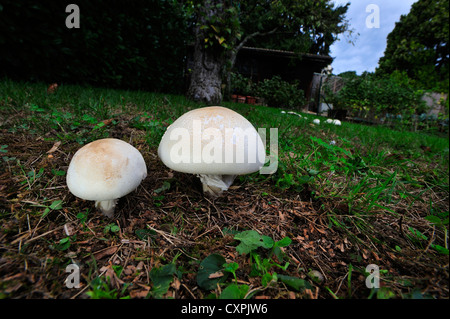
[364, 182]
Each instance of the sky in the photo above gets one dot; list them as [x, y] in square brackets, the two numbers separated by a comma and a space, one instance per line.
[370, 44]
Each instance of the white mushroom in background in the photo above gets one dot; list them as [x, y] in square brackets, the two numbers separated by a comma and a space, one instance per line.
[104, 171]
[336, 122]
[316, 121]
[294, 113]
[216, 144]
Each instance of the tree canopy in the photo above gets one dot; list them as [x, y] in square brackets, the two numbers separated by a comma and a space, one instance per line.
[139, 45]
[301, 26]
[144, 45]
[419, 46]
[309, 26]
[223, 27]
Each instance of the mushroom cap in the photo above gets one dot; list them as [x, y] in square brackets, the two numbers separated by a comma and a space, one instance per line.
[105, 169]
[237, 141]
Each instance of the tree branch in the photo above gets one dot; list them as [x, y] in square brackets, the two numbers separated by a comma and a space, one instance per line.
[252, 35]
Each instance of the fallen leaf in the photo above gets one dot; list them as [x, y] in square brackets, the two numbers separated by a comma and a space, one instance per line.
[331, 252]
[113, 279]
[105, 252]
[107, 122]
[129, 270]
[365, 254]
[231, 255]
[176, 284]
[139, 293]
[217, 274]
[376, 256]
[54, 147]
[68, 229]
[140, 265]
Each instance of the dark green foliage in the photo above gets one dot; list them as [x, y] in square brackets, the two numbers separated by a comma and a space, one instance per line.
[419, 46]
[211, 265]
[280, 93]
[162, 277]
[138, 45]
[300, 26]
[377, 95]
[275, 91]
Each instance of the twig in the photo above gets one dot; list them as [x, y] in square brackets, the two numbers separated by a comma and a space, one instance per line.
[166, 236]
[37, 237]
[193, 296]
[211, 229]
[429, 243]
[400, 225]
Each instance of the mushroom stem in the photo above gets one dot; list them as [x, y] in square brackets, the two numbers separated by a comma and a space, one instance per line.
[106, 207]
[214, 185]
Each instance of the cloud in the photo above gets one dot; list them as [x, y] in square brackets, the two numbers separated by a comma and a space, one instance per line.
[370, 43]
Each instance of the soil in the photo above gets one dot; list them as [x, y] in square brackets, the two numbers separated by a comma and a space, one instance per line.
[181, 221]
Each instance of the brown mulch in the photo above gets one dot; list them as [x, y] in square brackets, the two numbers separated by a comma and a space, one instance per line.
[185, 223]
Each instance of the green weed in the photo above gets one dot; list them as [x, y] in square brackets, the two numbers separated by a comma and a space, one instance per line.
[214, 270]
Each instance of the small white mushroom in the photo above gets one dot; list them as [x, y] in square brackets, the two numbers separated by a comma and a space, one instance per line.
[316, 121]
[337, 122]
[216, 144]
[316, 276]
[104, 171]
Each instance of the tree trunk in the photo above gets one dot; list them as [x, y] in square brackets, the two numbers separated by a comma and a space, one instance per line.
[210, 63]
[206, 77]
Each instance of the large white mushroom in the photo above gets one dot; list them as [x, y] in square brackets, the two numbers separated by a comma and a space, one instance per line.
[216, 144]
[104, 171]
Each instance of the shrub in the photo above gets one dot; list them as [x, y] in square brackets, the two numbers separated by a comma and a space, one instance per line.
[377, 96]
[279, 93]
[241, 85]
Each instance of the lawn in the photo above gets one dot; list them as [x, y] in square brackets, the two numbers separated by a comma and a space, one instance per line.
[343, 198]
